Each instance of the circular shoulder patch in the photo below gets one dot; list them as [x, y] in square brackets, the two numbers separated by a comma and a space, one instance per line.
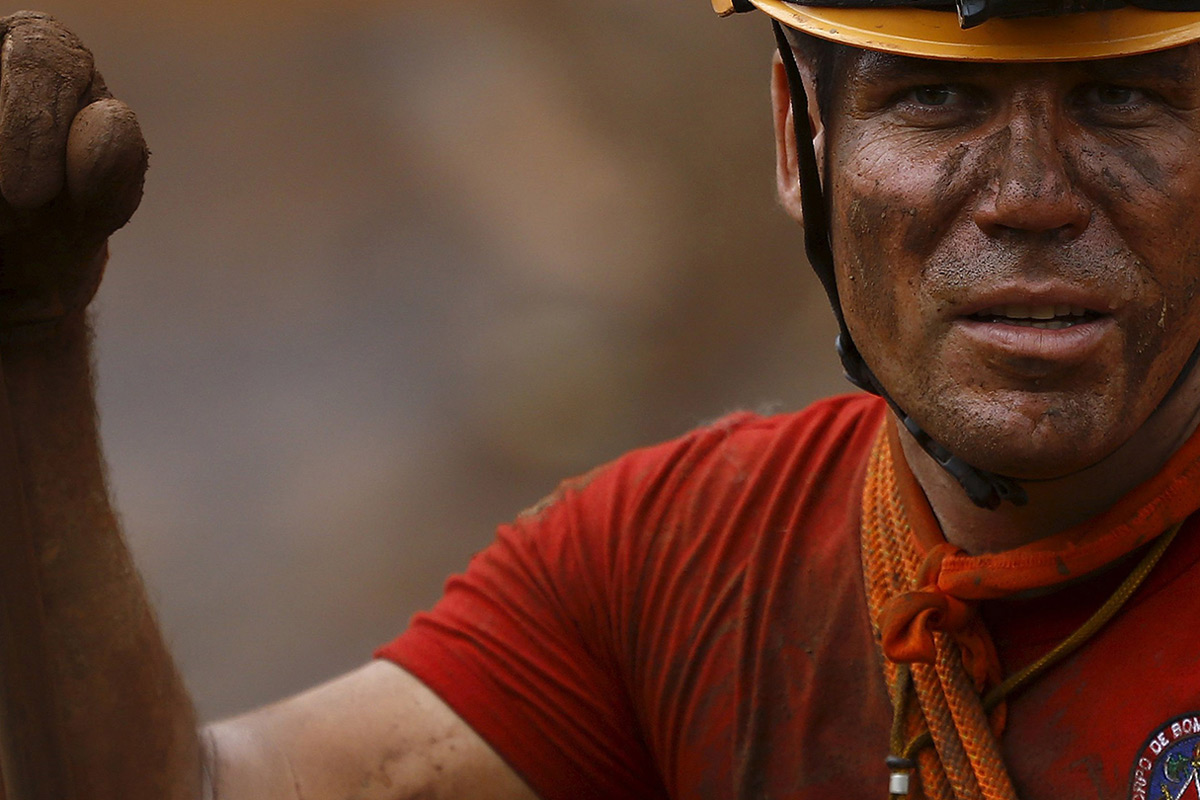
[1168, 766]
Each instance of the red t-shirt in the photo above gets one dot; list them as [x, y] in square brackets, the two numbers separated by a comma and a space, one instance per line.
[689, 621]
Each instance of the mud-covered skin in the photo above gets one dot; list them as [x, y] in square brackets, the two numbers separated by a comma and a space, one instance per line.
[956, 182]
[72, 165]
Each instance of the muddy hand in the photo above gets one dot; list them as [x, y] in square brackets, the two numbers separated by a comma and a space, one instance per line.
[72, 163]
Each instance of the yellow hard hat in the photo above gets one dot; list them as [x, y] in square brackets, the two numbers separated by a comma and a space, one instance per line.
[990, 30]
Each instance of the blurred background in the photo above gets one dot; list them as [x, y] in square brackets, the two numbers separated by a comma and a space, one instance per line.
[401, 268]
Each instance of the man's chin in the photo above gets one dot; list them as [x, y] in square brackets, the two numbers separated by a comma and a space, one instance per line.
[1009, 444]
[1046, 465]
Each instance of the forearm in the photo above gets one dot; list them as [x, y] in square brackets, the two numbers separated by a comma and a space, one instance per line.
[124, 720]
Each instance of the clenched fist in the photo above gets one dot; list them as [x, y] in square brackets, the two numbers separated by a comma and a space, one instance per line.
[72, 164]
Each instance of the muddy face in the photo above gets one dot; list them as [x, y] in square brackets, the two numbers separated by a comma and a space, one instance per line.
[1018, 246]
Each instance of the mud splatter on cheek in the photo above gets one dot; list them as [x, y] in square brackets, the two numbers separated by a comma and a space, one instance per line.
[1137, 191]
[955, 177]
[1178, 323]
[1147, 339]
[1116, 185]
[920, 233]
[950, 174]
[1117, 178]
[868, 286]
[1146, 165]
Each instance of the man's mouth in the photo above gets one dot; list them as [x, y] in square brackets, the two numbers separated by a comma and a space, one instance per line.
[1045, 317]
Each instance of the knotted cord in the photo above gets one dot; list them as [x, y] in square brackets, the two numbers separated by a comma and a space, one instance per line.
[964, 728]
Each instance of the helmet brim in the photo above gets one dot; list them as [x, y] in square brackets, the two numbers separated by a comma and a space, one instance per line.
[936, 34]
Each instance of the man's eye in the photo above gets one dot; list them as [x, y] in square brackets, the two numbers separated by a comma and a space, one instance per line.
[1110, 95]
[936, 105]
[1114, 104]
[934, 95]
[1116, 96]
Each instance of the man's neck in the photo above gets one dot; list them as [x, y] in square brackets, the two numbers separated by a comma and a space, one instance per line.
[1057, 504]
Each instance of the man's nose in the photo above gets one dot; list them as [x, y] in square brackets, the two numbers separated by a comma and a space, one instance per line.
[1032, 190]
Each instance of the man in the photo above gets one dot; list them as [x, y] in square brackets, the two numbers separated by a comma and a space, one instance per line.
[980, 585]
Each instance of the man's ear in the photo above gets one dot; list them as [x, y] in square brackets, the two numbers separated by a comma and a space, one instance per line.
[787, 168]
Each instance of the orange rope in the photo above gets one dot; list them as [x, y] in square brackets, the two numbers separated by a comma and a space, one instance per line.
[965, 766]
[965, 763]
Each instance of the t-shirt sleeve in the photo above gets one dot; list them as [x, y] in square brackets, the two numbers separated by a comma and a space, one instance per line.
[531, 646]
[607, 643]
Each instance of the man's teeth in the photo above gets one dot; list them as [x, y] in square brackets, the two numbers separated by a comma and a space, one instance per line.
[1047, 317]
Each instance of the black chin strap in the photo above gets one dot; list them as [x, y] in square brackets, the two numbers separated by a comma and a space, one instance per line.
[986, 489]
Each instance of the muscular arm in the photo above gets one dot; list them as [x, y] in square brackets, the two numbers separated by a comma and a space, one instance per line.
[375, 734]
[121, 725]
[126, 722]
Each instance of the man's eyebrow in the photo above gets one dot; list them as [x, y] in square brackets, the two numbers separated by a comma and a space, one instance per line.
[1173, 65]
[872, 66]
[1177, 64]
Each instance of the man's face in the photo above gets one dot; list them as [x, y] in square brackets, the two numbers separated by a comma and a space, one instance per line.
[1018, 246]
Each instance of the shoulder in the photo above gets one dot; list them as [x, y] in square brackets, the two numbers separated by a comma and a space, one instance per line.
[743, 446]
[834, 428]
[628, 579]
[711, 494]
[741, 463]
